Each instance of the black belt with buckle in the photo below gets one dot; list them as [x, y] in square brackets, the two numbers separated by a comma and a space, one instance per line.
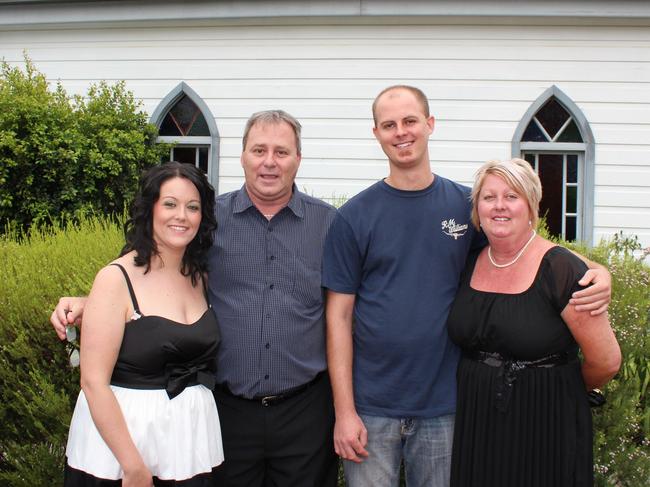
[275, 399]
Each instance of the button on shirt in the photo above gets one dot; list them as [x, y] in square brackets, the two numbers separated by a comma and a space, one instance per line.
[265, 287]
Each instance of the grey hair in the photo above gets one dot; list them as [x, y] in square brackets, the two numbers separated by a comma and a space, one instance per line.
[272, 117]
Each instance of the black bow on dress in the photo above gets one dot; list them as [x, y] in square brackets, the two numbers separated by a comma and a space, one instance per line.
[179, 376]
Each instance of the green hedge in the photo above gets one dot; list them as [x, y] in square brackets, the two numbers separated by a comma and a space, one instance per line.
[622, 427]
[64, 155]
[38, 388]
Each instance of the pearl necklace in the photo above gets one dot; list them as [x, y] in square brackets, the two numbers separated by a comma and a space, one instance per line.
[501, 266]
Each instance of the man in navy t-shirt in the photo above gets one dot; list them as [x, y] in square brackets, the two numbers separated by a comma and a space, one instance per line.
[391, 265]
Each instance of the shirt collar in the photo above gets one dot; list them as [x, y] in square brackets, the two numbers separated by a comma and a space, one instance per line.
[296, 204]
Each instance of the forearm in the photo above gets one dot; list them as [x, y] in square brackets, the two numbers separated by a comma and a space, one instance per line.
[339, 359]
[596, 339]
[109, 420]
[589, 263]
[339, 315]
[602, 358]
[597, 375]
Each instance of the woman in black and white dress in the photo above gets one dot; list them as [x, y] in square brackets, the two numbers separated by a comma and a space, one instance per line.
[146, 415]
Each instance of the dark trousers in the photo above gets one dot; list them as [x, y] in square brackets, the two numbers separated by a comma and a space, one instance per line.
[282, 445]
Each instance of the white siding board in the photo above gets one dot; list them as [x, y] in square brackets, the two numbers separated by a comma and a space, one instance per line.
[621, 134]
[524, 70]
[628, 219]
[629, 155]
[617, 115]
[500, 91]
[623, 198]
[630, 176]
[331, 49]
[285, 30]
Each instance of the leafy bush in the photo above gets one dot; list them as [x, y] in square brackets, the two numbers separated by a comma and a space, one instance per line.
[38, 388]
[63, 156]
[622, 426]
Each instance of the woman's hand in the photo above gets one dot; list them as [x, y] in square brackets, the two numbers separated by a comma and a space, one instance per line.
[137, 477]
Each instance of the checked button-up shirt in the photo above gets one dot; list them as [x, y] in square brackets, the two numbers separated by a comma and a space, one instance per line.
[265, 287]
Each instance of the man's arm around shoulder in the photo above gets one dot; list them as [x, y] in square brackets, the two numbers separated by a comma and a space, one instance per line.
[597, 296]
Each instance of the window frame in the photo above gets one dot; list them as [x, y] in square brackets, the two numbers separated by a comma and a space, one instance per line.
[585, 151]
[212, 141]
[580, 164]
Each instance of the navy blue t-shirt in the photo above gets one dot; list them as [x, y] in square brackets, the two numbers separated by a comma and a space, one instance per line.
[401, 253]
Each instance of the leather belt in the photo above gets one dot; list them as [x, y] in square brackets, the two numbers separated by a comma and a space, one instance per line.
[275, 399]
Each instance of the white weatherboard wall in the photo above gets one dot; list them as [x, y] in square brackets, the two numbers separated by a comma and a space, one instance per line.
[480, 77]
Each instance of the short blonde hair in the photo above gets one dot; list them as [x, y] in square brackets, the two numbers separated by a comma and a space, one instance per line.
[519, 175]
[416, 92]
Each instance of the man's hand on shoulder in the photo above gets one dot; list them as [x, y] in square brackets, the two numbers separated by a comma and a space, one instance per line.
[597, 296]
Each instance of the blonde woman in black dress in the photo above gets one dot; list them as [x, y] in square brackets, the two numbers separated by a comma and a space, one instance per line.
[523, 417]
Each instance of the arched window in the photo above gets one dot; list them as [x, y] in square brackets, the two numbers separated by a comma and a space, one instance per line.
[185, 120]
[555, 138]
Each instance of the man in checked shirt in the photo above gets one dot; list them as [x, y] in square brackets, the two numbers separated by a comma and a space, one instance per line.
[273, 393]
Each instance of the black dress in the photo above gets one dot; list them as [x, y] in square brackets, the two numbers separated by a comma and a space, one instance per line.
[536, 432]
[162, 381]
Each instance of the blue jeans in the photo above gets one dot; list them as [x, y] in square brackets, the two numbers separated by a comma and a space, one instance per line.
[423, 443]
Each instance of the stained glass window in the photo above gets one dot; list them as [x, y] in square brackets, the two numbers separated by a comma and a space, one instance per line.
[555, 138]
[552, 123]
[184, 119]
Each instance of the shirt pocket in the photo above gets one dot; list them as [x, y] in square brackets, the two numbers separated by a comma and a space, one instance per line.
[307, 288]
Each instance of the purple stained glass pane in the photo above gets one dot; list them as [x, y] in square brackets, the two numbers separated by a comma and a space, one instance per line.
[571, 133]
[552, 116]
[185, 113]
[169, 127]
[533, 134]
[200, 126]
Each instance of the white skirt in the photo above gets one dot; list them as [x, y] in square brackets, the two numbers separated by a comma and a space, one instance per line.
[177, 438]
